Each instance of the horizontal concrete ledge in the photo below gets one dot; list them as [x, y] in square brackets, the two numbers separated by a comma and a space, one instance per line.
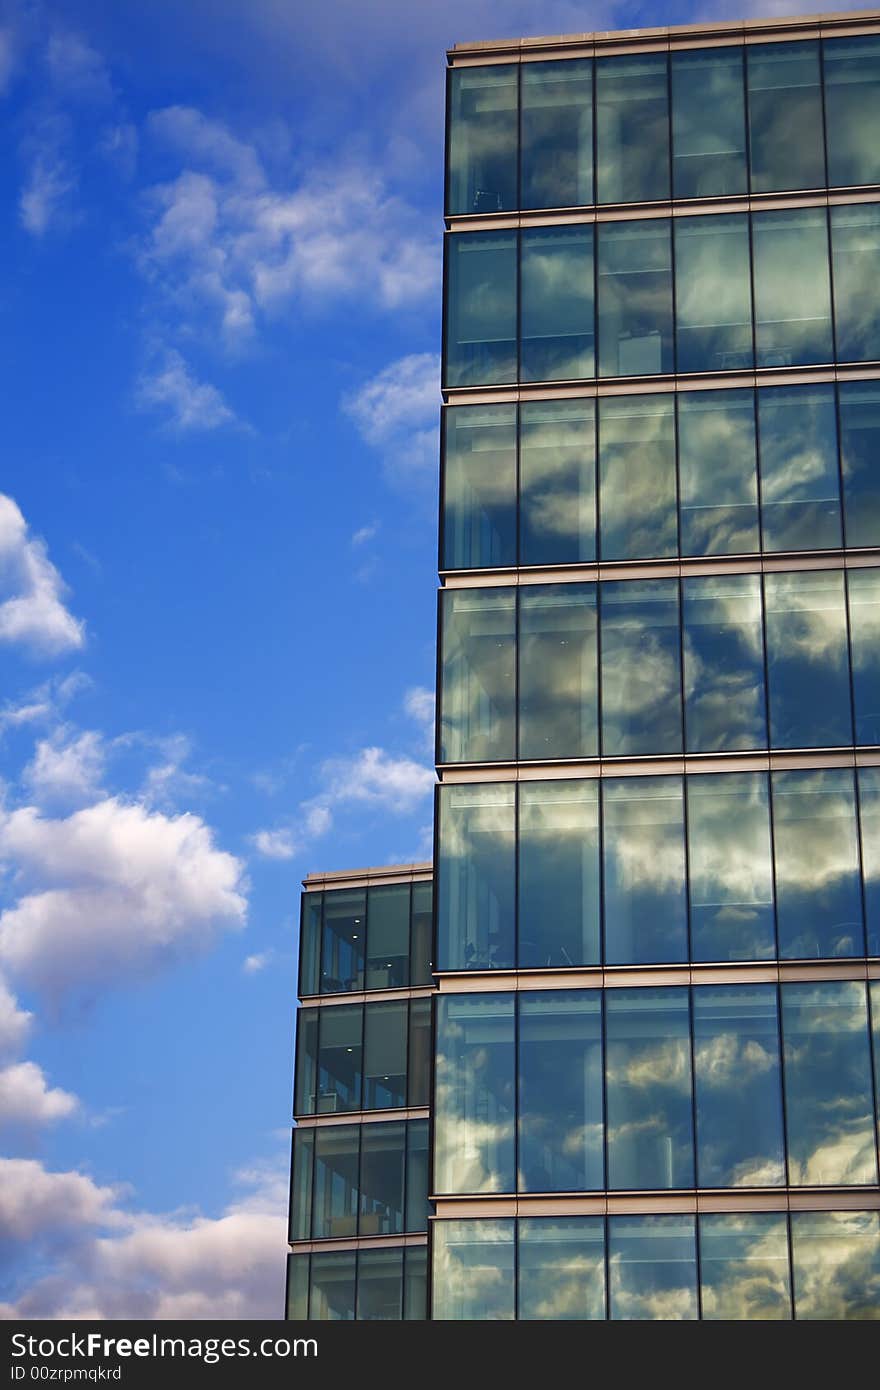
[656, 1203]
[464, 774]
[307, 1247]
[361, 1117]
[364, 996]
[360, 878]
[688, 567]
[650, 976]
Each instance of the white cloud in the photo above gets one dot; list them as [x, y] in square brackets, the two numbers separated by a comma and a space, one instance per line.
[111, 892]
[190, 405]
[274, 844]
[26, 1101]
[44, 703]
[15, 1022]
[35, 1202]
[374, 776]
[254, 964]
[397, 413]
[76, 69]
[31, 609]
[364, 534]
[66, 767]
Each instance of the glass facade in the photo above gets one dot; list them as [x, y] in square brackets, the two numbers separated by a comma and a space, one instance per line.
[359, 1180]
[372, 1056]
[365, 938]
[389, 1284]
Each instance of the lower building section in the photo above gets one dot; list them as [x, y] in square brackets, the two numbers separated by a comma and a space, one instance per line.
[386, 1283]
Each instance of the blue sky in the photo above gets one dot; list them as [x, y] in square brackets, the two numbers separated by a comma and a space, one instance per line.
[219, 299]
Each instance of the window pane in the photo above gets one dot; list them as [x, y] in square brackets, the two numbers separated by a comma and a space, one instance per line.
[807, 659]
[864, 628]
[342, 958]
[818, 902]
[635, 298]
[637, 477]
[800, 487]
[859, 405]
[556, 303]
[645, 898]
[479, 486]
[836, 1258]
[648, 1088]
[561, 1268]
[558, 864]
[641, 668]
[869, 816]
[380, 1285]
[632, 128]
[415, 1290]
[473, 1270]
[558, 676]
[337, 1148]
[737, 1075]
[724, 663]
[792, 289]
[297, 1288]
[339, 1059]
[385, 1055]
[652, 1267]
[852, 109]
[713, 294]
[560, 1091]
[718, 474]
[557, 134]
[301, 1164]
[383, 1154]
[481, 173]
[310, 943]
[730, 867]
[419, 1052]
[417, 1209]
[305, 1097]
[388, 937]
[333, 1284]
[829, 1108]
[785, 116]
[744, 1273]
[475, 1094]
[420, 933]
[477, 716]
[480, 308]
[855, 245]
[708, 123]
[476, 874]
[557, 482]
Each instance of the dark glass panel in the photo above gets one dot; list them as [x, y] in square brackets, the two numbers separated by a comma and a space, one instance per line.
[718, 474]
[855, 253]
[475, 1094]
[864, 630]
[738, 1082]
[385, 1028]
[415, 1286]
[818, 901]
[310, 943]
[302, 1164]
[476, 876]
[333, 1286]
[417, 1207]
[339, 1059]
[556, 303]
[419, 1052]
[297, 1288]
[836, 1259]
[481, 160]
[869, 818]
[708, 123]
[337, 1149]
[560, 1091]
[558, 873]
[852, 109]
[724, 663]
[652, 1266]
[859, 406]
[473, 1275]
[644, 858]
[744, 1273]
[383, 1159]
[807, 659]
[558, 675]
[713, 294]
[632, 128]
[388, 936]
[556, 168]
[557, 482]
[637, 477]
[635, 298]
[641, 667]
[480, 308]
[800, 482]
[730, 867]
[421, 931]
[479, 486]
[342, 955]
[380, 1285]
[785, 116]
[477, 692]
[305, 1097]
[648, 1088]
[829, 1106]
[792, 288]
[561, 1268]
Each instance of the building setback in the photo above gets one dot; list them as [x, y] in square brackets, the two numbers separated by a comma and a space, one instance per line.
[656, 935]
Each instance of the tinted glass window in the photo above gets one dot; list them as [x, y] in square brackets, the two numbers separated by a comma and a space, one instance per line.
[730, 867]
[800, 488]
[388, 936]
[859, 451]
[480, 308]
[807, 659]
[744, 1272]
[637, 477]
[558, 676]
[473, 1270]
[481, 172]
[417, 1209]
[818, 902]
[652, 1267]
[380, 1285]
[297, 1288]
[339, 1059]
[723, 663]
[560, 1091]
[718, 474]
[310, 945]
[559, 863]
[643, 846]
[869, 818]
[475, 881]
[301, 1184]
[385, 1027]
[332, 1295]
[479, 486]
[421, 931]
[855, 246]
[415, 1283]
[475, 1094]
[337, 1151]
[792, 288]
[641, 667]
[836, 1264]
[713, 294]
[306, 1062]
[561, 1268]
[635, 298]
[708, 123]
[477, 709]
[632, 128]
[383, 1158]
[556, 303]
[342, 958]
[557, 134]
[557, 480]
[785, 116]
[852, 109]
[419, 1077]
[864, 627]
